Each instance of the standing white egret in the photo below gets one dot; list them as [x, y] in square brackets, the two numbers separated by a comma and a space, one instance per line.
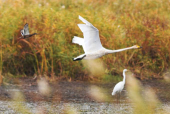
[119, 86]
[91, 42]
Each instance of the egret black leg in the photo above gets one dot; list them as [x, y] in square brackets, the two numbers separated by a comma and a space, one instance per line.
[119, 96]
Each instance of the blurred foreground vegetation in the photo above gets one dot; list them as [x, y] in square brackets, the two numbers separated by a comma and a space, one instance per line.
[136, 99]
[121, 24]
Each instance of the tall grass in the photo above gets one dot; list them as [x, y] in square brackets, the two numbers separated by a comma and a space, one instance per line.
[121, 24]
[1, 63]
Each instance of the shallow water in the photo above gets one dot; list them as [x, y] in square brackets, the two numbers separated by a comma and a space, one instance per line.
[73, 97]
[9, 107]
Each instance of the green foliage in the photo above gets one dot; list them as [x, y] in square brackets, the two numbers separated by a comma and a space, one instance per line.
[121, 24]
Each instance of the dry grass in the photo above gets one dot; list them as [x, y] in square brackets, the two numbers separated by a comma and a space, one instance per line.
[121, 24]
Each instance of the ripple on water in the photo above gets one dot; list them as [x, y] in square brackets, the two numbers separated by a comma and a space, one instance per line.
[7, 107]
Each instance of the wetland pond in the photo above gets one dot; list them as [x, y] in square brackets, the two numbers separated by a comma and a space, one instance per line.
[73, 97]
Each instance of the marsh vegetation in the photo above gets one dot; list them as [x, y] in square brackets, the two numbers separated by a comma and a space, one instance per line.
[37, 74]
[120, 23]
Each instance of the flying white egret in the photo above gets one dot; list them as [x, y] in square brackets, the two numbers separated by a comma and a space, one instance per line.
[91, 42]
[119, 86]
[25, 32]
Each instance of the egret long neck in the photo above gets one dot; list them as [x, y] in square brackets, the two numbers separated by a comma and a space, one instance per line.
[119, 50]
[124, 77]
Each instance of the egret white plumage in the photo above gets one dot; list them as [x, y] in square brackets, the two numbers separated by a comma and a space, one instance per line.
[25, 32]
[91, 42]
[119, 86]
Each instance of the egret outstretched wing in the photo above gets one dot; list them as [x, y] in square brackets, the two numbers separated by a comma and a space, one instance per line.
[91, 36]
[85, 21]
[78, 40]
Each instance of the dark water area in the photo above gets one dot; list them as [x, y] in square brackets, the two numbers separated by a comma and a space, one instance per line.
[74, 95]
[76, 91]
